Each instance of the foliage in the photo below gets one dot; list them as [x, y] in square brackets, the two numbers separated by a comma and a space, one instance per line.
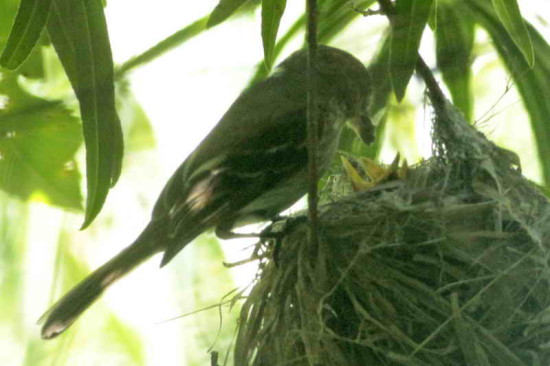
[39, 140]
[79, 33]
[40, 134]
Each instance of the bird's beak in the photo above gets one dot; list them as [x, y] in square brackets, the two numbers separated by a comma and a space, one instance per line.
[364, 128]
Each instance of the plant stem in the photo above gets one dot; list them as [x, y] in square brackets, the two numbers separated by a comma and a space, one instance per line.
[312, 122]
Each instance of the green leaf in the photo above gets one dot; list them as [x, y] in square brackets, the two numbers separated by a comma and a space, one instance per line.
[37, 149]
[510, 16]
[7, 17]
[223, 10]
[261, 71]
[379, 71]
[454, 35]
[338, 14]
[272, 11]
[532, 83]
[29, 22]
[33, 67]
[410, 21]
[79, 34]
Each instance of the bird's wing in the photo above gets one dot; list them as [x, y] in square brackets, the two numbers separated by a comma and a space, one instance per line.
[249, 124]
[259, 108]
[242, 178]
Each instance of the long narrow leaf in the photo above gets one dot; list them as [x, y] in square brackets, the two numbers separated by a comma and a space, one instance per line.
[532, 83]
[272, 11]
[337, 14]
[510, 16]
[261, 71]
[224, 10]
[79, 34]
[379, 70]
[410, 21]
[29, 22]
[454, 35]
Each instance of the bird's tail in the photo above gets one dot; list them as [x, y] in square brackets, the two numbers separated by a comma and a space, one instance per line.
[65, 311]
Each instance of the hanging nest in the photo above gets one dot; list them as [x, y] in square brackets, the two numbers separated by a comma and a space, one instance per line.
[447, 266]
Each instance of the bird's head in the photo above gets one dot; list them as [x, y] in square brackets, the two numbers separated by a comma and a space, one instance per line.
[340, 78]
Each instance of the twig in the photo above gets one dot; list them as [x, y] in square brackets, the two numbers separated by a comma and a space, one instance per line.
[214, 358]
[312, 121]
[368, 12]
[241, 262]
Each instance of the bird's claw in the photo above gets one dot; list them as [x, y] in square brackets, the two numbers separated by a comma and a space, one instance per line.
[277, 236]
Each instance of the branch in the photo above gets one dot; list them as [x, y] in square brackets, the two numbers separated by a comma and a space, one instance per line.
[312, 122]
[214, 358]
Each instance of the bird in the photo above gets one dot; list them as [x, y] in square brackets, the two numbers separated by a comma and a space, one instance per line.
[251, 166]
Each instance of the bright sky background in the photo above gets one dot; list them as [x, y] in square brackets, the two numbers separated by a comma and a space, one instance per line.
[184, 93]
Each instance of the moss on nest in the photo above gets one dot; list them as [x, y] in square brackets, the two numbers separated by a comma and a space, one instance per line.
[448, 266]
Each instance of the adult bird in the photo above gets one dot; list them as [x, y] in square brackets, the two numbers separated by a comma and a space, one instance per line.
[249, 168]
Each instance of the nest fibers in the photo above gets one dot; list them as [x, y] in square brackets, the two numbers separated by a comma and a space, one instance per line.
[448, 266]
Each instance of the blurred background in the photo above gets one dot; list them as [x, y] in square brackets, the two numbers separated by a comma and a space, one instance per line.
[167, 106]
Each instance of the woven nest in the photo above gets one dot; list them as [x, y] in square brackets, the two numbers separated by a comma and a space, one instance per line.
[448, 266]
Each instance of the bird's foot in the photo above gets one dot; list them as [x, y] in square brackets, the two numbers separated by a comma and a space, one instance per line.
[277, 234]
[274, 234]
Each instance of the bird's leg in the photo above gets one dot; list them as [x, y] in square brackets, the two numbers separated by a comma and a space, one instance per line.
[225, 232]
[278, 218]
[277, 236]
[268, 234]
